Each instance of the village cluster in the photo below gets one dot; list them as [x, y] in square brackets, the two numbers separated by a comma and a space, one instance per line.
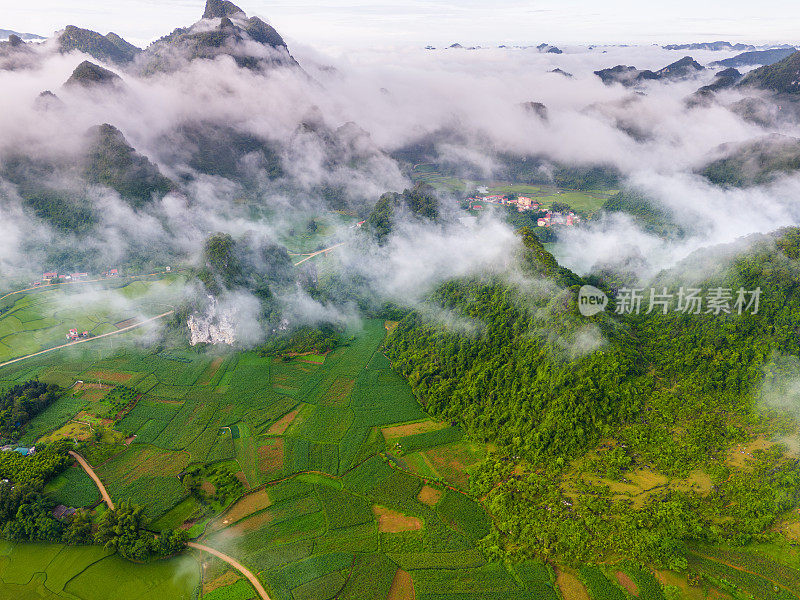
[54, 277]
[523, 203]
[73, 334]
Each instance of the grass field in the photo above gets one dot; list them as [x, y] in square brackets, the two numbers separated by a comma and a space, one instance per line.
[41, 319]
[54, 571]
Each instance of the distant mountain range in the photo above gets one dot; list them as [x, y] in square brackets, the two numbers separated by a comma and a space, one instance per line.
[713, 46]
[545, 48]
[756, 57]
[783, 77]
[7, 33]
[631, 76]
[251, 43]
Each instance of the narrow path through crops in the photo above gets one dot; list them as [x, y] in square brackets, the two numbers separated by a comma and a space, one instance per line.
[235, 564]
[90, 472]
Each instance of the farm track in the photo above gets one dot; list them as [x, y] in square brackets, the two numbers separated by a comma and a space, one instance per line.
[90, 472]
[161, 316]
[236, 565]
[318, 252]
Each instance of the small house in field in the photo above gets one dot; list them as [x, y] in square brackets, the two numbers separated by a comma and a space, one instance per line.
[49, 276]
[113, 273]
[72, 334]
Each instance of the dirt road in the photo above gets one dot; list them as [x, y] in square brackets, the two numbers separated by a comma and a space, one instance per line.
[97, 337]
[90, 472]
[231, 561]
[236, 565]
[312, 255]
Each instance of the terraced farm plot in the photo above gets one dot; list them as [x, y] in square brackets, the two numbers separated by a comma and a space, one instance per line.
[52, 418]
[146, 476]
[599, 586]
[270, 456]
[108, 376]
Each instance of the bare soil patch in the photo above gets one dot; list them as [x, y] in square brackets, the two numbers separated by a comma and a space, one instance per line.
[429, 495]
[227, 578]
[570, 586]
[114, 376]
[251, 503]
[270, 456]
[740, 454]
[391, 521]
[252, 523]
[127, 323]
[399, 431]
[628, 583]
[280, 426]
[402, 587]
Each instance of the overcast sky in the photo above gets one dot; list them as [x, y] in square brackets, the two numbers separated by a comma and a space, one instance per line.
[346, 23]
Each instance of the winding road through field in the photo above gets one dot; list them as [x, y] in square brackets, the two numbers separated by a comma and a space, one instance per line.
[228, 559]
[91, 339]
[236, 565]
[90, 472]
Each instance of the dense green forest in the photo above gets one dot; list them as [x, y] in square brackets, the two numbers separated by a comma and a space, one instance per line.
[419, 201]
[521, 375]
[649, 215]
[756, 162]
[669, 392]
[21, 403]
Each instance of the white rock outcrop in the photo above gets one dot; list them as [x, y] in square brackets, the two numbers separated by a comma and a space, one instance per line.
[213, 326]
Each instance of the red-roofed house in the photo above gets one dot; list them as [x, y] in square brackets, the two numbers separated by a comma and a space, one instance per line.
[46, 276]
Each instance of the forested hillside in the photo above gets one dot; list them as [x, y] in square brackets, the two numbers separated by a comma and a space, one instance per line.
[655, 397]
[518, 367]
